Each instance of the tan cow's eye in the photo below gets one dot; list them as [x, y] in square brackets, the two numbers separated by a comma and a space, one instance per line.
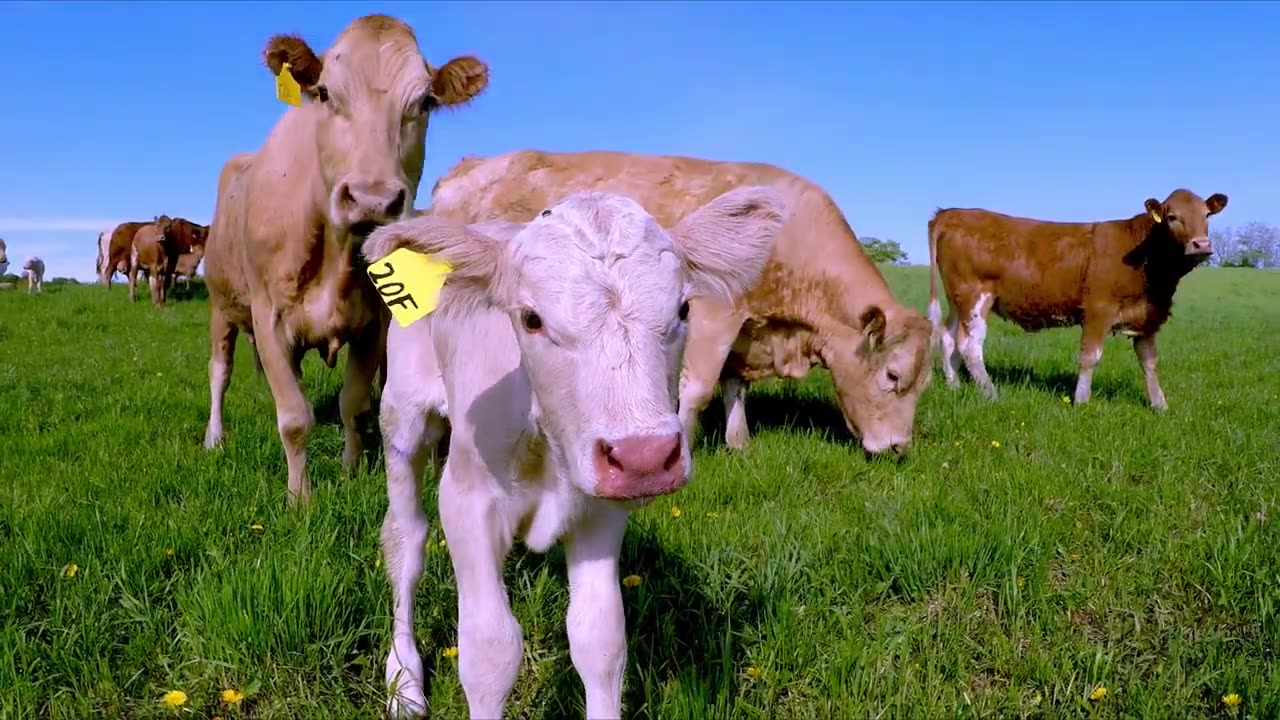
[1172, 218]
[684, 311]
[530, 320]
[892, 376]
[322, 93]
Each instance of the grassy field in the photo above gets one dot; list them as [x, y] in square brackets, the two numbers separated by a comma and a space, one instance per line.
[1026, 554]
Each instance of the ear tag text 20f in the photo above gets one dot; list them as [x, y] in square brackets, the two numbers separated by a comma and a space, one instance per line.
[409, 283]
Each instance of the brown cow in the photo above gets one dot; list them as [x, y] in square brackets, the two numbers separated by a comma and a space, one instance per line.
[152, 251]
[821, 300]
[120, 249]
[1108, 276]
[282, 259]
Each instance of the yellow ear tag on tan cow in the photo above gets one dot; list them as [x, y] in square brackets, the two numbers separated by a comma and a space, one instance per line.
[409, 283]
[287, 89]
[1155, 215]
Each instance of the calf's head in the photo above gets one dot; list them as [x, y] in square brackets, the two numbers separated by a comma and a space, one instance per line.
[371, 95]
[1185, 219]
[879, 374]
[598, 296]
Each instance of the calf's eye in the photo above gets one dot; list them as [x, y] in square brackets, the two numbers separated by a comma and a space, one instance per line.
[684, 311]
[322, 93]
[893, 376]
[530, 320]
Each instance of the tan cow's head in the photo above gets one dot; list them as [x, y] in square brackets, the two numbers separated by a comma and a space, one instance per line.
[164, 224]
[372, 93]
[879, 376]
[1186, 218]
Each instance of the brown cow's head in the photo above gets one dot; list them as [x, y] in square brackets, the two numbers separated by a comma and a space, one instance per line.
[1186, 218]
[373, 93]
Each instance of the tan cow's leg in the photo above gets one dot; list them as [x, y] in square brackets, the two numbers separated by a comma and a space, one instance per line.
[1145, 347]
[294, 415]
[734, 392]
[364, 355]
[222, 355]
[133, 281]
[1092, 333]
[713, 326]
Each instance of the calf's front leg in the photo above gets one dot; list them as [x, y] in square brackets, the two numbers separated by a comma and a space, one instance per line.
[1145, 347]
[490, 643]
[595, 622]
[1093, 332]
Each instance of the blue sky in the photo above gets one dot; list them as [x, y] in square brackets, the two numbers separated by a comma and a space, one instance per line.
[1052, 109]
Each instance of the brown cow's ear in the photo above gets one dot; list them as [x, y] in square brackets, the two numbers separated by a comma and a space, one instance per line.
[1154, 209]
[1216, 203]
[873, 326]
[459, 80]
[303, 63]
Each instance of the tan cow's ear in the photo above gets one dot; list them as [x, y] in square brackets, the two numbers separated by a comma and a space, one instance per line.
[1216, 203]
[873, 326]
[459, 80]
[1154, 209]
[303, 63]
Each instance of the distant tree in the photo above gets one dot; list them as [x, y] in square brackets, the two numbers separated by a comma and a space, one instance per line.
[884, 251]
[1253, 245]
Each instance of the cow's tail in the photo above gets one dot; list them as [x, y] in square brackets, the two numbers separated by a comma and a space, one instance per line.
[935, 307]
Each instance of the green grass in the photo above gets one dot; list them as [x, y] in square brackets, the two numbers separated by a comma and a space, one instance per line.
[1103, 545]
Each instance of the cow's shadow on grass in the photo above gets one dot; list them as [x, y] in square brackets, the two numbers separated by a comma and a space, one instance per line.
[676, 633]
[1061, 382]
[778, 409]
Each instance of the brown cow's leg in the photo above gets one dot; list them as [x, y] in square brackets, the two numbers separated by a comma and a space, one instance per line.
[1145, 347]
[222, 355]
[294, 415]
[713, 326]
[364, 355]
[734, 392]
[970, 339]
[1092, 333]
[950, 358]
[133, 282]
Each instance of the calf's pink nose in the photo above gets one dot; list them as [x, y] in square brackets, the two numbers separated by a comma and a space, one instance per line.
[639, 466]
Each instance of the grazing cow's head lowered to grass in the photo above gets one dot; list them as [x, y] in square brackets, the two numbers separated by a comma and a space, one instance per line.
[373, 92]
[598, 296]
[1185, 219]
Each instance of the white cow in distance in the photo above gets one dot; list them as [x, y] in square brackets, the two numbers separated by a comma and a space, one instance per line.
[33, 268]
[556, 350]
[4, 257]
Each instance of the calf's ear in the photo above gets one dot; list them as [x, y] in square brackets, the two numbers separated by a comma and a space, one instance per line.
[459, 80]
[304, 66]
[725, 244]
[1154, 209]
[479, 270]
[1216, 202]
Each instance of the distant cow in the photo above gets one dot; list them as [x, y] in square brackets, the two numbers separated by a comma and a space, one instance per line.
[187, 265]
[33, 268]
[281, 257]
[559, 344]
[120, 249]
[104, 252]
[153, 251]
[821, 300]
[1107, 276]
[4, 258]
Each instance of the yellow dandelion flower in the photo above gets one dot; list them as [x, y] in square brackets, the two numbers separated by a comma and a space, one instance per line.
[1231, 700]
[232, 696]
[676, 511]
[256, 527]
[71, 570]
[957, 443]
[631, 581]
[377, 562]
[713, 514]
[754, 672]
[175, 698]
[1066, 399]
[168, 552]
[1098, 693]
[443, 544]
[450, 652]
[995, 443]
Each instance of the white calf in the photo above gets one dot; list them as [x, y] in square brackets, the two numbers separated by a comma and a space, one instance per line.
[556, 349]
[34, 270]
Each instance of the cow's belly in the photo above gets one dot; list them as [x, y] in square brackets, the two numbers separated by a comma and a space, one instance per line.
[768, 348]
[1035, 314]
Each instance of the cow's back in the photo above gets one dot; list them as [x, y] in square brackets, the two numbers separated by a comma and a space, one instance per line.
[1034, 271]
[224, 260]
[148, 247]
[122, 238]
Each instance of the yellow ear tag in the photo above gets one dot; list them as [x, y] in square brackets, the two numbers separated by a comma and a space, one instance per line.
[409, 283]
[1155, 215]
[287, 89]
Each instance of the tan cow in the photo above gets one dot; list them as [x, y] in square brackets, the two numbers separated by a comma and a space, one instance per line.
[119, 255]
[821, 300]
[1105, 276]
[153, 251]
[282, 260]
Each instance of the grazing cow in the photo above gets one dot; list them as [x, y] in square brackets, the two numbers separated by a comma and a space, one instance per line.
[153, 251]
[187, 264]
[4, 257]
[1106, 276]
[119, 254]
[556, 350]
[821, 300]
[282, 257]
[33, 268]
